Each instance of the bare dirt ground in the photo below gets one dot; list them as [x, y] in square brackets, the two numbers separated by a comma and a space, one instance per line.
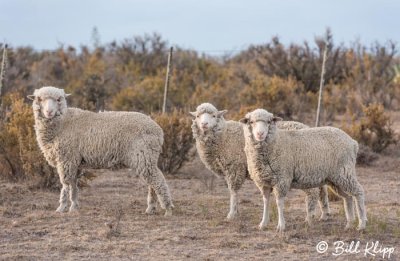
[111, 224]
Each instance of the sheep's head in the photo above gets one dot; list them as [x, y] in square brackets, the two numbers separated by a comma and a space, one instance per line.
[49, 102]
[261, 123]
[208, 118]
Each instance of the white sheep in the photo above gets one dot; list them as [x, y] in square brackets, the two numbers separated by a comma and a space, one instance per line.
[220, 145]
[307, 158]
[72, 139]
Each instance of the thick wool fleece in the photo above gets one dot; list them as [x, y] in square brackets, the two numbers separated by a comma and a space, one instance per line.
[221, 149]
[305, 158]
[76, 139]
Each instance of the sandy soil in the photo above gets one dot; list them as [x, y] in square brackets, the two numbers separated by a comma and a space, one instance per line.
[111, 224]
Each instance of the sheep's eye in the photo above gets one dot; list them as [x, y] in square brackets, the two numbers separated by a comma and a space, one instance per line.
[39, 99]
[269, 122]
[214, 116]
[59, 99]
[197, 116]
[251, 122]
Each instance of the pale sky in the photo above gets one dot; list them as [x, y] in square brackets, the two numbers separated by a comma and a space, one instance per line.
[206, 25]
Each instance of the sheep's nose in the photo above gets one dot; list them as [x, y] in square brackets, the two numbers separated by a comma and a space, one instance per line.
[204, 124]
[49, 112]
[260, 133]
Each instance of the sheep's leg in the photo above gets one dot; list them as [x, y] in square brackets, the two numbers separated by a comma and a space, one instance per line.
[266, 192]
[63, 198]
[360, 204]
[324, 202]
[151, 201]
[233, 211]
[348, 209]
[353, 187]
[311, 201]
[68, 173]
[155, 179]
[348, 205]
[281, 220]
[280, 191]
[73, 196]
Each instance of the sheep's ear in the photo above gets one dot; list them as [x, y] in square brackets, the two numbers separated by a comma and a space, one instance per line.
[221, 113]
[275, 119]
[67, 95]
[193, 113]
[244, 120]
[31, 97]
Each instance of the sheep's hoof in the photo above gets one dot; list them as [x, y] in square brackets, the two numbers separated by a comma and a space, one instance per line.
[280, 229]
[74, 208]
[151, 210]
[309, 222]
[324, 216]
[61, 209]
[168, 213]
[231, 216]
[262, 226]
[361, 226]
[348, 226]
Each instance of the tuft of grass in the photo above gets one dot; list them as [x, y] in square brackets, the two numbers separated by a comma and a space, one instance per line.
[204, 210]
[114, 226]
[377, 225]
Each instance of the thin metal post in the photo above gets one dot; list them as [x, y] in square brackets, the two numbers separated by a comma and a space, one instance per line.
[321, 84]
[3, 68]
[167, 80]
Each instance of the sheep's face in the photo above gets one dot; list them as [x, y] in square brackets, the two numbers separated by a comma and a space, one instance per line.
[208, 118]
[261, 123]
[49, 102]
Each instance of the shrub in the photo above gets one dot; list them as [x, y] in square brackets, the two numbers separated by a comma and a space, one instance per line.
[365, 155]
[178, 140]
[19, 146]
[146, 96]
[284, 97]
[374, 128]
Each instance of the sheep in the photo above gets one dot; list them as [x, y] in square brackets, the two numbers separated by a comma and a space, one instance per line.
[220, 145]
[306, 158]
[72, 139]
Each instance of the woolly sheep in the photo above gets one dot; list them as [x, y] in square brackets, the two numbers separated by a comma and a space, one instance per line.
[220, 145]
[72, 139]
[306, 158]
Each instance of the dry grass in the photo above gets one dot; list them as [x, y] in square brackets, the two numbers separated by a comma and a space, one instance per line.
[112, 223]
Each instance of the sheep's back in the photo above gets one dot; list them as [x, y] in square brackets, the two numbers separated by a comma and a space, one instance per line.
[109, 139]
[315, 153]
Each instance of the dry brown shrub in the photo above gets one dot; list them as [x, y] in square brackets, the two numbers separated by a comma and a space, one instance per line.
[374, 128]
[284, 97]
[178, 140]
[365, 155]
[19, 146]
